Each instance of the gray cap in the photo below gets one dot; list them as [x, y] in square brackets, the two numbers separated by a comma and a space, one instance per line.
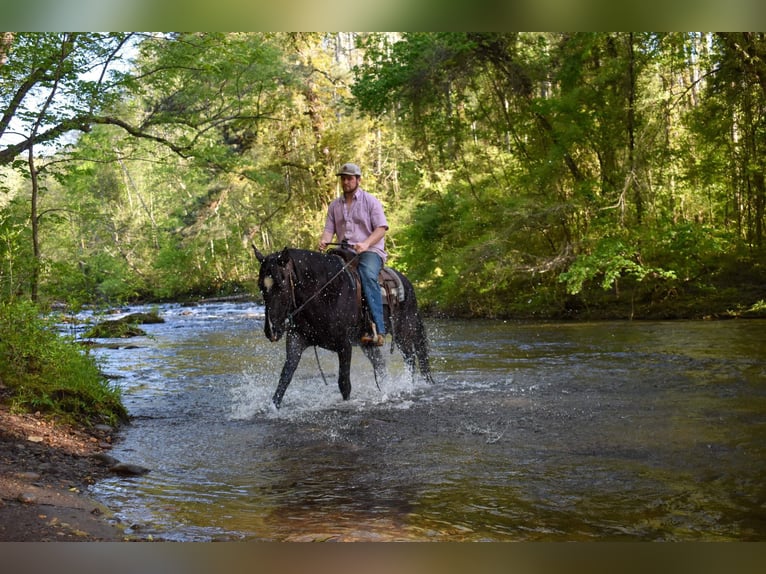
[350, 169]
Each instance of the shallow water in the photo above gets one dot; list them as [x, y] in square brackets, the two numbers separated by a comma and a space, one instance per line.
[566, 431]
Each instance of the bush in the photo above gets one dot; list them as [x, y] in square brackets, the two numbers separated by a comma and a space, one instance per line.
[97, 278]
[43, 371]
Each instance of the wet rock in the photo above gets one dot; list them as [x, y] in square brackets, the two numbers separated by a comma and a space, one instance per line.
[27, 498]
[106, 459]
[127, 469]
[143, 318]
[121, 468]
[29, 476]
[114, 330]
[124, 327]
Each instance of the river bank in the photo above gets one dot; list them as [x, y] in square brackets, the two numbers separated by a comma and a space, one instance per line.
[45, 469]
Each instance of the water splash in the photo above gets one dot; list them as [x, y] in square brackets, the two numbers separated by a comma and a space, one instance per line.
[251, 396]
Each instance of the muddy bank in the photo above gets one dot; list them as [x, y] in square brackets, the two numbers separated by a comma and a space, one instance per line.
[45, 470]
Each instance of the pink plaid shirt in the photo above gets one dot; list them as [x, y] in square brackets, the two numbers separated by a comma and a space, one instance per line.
[355, 224]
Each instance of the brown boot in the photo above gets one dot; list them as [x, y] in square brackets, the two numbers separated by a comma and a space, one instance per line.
[377, 340]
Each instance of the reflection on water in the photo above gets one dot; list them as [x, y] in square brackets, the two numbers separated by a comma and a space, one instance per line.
[600, 431]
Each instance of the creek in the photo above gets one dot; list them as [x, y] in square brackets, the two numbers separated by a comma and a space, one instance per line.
[620, 431]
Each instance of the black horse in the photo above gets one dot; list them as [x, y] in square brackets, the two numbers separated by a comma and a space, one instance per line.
[314, 297]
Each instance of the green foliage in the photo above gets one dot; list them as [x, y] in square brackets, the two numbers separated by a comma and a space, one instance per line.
[48, 373]
[15, 254]
[98, 278]
[524, 174]
[178, 273]
[462, 251]
[611, 260]
[759, 308]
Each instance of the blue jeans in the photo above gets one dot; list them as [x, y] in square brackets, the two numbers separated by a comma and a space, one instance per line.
[370, 264]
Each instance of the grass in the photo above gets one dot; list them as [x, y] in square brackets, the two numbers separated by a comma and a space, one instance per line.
[41, 370]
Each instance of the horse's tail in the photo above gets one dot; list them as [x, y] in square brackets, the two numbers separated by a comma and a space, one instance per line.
[416, 333]
[422, 350]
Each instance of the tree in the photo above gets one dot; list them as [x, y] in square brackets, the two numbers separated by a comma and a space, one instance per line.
[258, 125]
[202, 97]
[567, 159]
[519, 170]
[48, 92]
[739, 84]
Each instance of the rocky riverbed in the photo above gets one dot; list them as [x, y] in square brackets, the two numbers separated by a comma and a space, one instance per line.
[45, 470]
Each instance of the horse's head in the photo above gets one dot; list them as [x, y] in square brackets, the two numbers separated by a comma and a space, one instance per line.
[275, 282]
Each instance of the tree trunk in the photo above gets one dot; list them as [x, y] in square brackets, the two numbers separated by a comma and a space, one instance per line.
[637, 197]
[35, 279]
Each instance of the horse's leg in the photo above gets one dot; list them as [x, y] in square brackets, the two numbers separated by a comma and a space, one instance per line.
[413, 343]
[344, 371]
[294, 349]
[420, 341]
[404, 339]
[412, 339]
[376, 358]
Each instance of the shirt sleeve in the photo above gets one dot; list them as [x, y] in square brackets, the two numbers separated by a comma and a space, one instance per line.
[329, 226]
[377, 215]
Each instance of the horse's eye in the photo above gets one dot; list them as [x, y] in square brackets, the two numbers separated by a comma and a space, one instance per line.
[268, 283]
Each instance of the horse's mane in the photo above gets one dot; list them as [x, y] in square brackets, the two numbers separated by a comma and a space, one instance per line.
[313, 266]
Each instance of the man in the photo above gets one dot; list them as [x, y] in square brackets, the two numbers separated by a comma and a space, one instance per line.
[358, 218]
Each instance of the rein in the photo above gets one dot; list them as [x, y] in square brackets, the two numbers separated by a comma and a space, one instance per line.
[318, 291]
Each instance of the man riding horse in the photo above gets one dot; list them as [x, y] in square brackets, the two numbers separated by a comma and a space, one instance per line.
[358, 219]
[313, 298]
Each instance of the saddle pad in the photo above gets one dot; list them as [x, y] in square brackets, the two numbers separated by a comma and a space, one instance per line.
[388, 279]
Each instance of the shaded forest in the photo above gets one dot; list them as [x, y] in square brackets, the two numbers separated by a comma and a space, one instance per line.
[525, 175]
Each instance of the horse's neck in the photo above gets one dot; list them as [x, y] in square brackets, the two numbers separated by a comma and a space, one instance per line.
[315, 271]
[345, 254]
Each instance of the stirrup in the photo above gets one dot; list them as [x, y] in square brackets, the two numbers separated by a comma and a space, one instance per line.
[377, 340]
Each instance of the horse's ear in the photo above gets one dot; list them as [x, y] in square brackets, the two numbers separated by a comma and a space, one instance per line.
[284, 257]
[258, 255]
